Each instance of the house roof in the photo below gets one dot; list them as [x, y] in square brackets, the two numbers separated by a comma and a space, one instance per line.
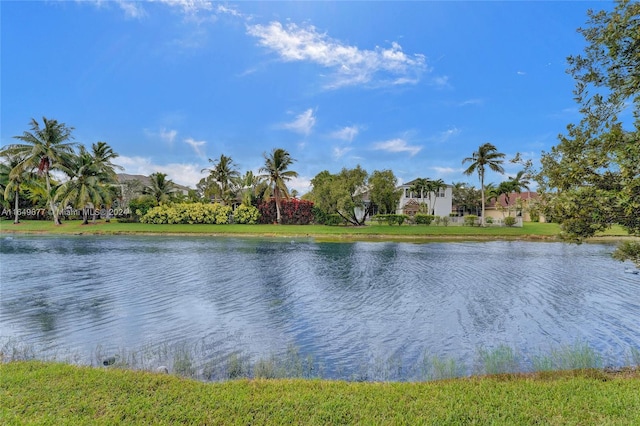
[412, 182]
[513, 196]
[145, 180]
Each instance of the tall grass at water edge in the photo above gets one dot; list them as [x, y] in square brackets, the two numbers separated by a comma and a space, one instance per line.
[203, 361]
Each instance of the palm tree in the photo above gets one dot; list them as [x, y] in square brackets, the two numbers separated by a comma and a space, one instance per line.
[160, 188]
[102, 155]
[420, 187]
[436, 186]
[250, 185]
[44, 148]
[85, 186]
[276, 173]
[11, 180]
[224, 173]
[486, 155]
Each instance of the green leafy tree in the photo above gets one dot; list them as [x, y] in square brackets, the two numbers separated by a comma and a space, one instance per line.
[160, 188]
[383, 191]
[276, 173]
[487, 155]
[86, 186]
[342, 194]
[591, 178]
[223, 176]
[44, 148]
[12, 180]
[466, 198]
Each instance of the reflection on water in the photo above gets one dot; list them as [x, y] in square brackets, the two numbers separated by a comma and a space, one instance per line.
[344, 303]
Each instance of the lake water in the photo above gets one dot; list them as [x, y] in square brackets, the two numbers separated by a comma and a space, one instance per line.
[345, 304]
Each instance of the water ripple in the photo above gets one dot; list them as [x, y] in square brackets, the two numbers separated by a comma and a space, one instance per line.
[343, 303]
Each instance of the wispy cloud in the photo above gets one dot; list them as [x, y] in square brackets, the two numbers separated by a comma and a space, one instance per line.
[340, 152]
[168, 135]
[474, 101]
[351, 65]
[347, 133]
[397, 145]
[197, 146]
[446, 170]
[448, 134]
[189, 7]
[302, 124]
[229, 11]
[521, 73]
[132, 9]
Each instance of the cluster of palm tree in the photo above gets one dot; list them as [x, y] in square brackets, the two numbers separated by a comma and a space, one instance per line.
[226, 185]
[429, 189]
[84, 179]
[487, 156]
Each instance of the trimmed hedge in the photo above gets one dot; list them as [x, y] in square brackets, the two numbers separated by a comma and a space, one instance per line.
[188, 213]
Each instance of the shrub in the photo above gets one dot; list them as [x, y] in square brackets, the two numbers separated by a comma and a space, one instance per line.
[246, 214]
[470, 220]
[141, 205]
[445, 220]
[390, 219]
[489, 220]
[509, 220]
[333, 220]
[425, 219]
[188, 213]
[292, 212]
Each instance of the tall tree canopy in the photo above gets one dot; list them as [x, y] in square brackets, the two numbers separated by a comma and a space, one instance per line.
[383, 191]
[44, 148]
[342, 194]
[591, 179]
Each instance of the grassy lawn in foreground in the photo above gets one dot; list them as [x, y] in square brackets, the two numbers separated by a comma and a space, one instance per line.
[48, 393]
[76, 227]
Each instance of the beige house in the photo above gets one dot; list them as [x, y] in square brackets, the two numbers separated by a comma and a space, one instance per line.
[513, 204]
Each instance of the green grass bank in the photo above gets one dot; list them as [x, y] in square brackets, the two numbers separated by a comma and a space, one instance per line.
[50, 393]
[530, 231]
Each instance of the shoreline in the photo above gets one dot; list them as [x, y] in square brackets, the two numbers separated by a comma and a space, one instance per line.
[534, 232]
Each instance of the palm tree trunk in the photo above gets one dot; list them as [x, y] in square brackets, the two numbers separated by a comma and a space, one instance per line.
[54, 212]
[277, 197]
[482, 196]
[16, 219]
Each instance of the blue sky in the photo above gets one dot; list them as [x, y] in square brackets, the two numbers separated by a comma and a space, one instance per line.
[414, 87]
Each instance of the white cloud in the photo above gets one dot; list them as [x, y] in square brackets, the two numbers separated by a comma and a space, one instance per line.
[346, 133]
[132, 9]
[350, 64]
[228, 10]
[521, 73]
[302, 184]
[168, 135]
[189, 6]
[339, 152]
[181, 173]
[446, 170]
[197, 146]
[397, 145]
[302, 124]
[447, 134]
[441, 81]
[471, 102]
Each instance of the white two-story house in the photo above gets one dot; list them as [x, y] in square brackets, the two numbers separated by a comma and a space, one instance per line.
[436, 203]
